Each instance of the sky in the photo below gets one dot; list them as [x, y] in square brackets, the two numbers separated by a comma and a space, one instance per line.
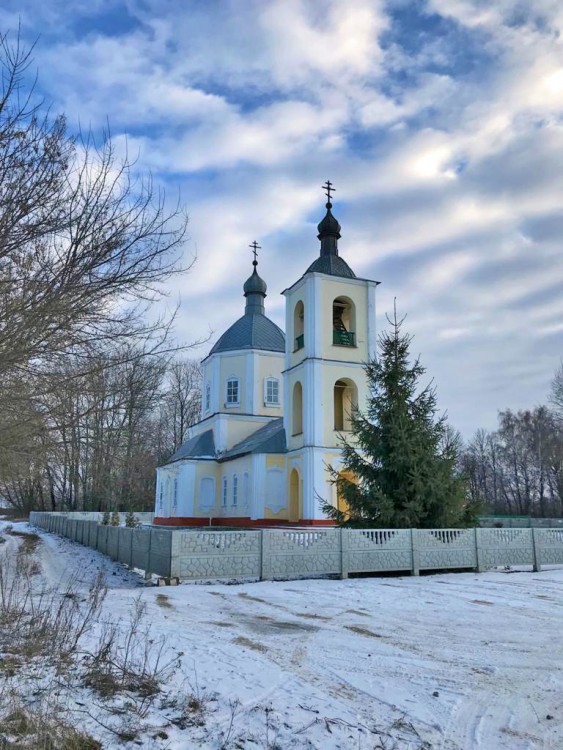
[440, 123]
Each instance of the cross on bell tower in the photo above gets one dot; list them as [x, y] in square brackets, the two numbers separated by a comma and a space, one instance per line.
[327, 187]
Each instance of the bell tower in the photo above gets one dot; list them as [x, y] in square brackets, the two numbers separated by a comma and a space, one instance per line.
[330, 334]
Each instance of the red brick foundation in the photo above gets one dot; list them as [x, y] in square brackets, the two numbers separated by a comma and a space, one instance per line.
[244, 522]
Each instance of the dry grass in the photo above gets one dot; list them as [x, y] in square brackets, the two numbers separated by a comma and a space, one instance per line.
[129, 659]
[27, 729]
[29, 541]
[362, 631]
[241, 640]
[163, 601]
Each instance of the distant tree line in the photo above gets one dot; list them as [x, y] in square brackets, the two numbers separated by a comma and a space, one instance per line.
[518, 468]
[104, 433]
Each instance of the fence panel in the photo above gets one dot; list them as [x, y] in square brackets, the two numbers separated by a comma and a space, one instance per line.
[160, 552]
[216, 554]
[102, 540]
[505, 547]
[113, 542]
[141, 549]
[446, 548]
[124, 539]
[549, 545]
[372, 550]
[300, 553]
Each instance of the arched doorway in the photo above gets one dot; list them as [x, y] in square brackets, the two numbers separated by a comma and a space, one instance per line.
[294, 496]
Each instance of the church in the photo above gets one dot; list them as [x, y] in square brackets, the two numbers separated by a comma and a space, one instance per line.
[274, 406]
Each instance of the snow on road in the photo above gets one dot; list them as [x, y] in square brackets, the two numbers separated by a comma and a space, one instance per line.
[458, 661]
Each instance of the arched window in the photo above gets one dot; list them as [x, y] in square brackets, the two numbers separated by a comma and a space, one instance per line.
[297, 426]
[233, 392]
[271, 392]
[245, 490]
[161, 495]
[206, 493]
[225, 491]
[345, 402]
[235, 491]
[299, 326]
[175, 495]
[207, 396]
[343, 322]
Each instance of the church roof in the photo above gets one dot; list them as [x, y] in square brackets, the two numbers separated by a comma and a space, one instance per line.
[267, 439]
[329, 261]
[254, 331]
[199, 446]
[333, 265]
[270, 438]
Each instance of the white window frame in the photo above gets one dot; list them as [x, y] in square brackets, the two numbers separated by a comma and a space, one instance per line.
[267, 381]
[231, 404]
[225, 492]
[235, 491]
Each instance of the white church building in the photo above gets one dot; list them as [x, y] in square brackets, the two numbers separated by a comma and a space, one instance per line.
[274, 405]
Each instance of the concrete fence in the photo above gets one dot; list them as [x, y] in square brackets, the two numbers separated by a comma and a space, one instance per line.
[296, 553]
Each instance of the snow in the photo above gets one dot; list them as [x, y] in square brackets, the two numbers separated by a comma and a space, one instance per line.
[453, 661]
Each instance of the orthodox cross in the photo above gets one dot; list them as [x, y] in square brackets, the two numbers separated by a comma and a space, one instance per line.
[255, 246]
[329, 189]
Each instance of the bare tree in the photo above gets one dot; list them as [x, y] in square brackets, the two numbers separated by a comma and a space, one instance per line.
[518, 469]
[85, 244]
[556, 396]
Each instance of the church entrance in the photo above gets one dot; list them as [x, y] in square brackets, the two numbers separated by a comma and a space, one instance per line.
[294, 492]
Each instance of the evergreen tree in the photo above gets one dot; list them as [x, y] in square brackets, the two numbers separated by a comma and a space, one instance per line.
[131, 520]
[399, 467]
[115, 519]
[105, 518]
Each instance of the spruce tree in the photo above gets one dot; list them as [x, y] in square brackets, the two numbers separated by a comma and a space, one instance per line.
[115, 518]
[131, 520]
[399, 467]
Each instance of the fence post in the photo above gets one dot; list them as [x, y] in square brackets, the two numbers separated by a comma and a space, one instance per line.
[343, 553]
[415, 553]
[265, 556]
[480, 568]
[536, 550]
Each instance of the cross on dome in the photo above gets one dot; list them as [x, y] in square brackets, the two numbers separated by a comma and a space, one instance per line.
[327, 187]
[255, 247]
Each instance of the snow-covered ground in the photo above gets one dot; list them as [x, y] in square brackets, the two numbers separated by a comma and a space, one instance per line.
[448, 662]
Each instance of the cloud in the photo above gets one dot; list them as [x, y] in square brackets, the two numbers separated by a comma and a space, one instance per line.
[440, 123]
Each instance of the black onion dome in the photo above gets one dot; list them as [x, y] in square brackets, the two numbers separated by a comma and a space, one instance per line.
[329, 262]
[329, 226]
[254, 285]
